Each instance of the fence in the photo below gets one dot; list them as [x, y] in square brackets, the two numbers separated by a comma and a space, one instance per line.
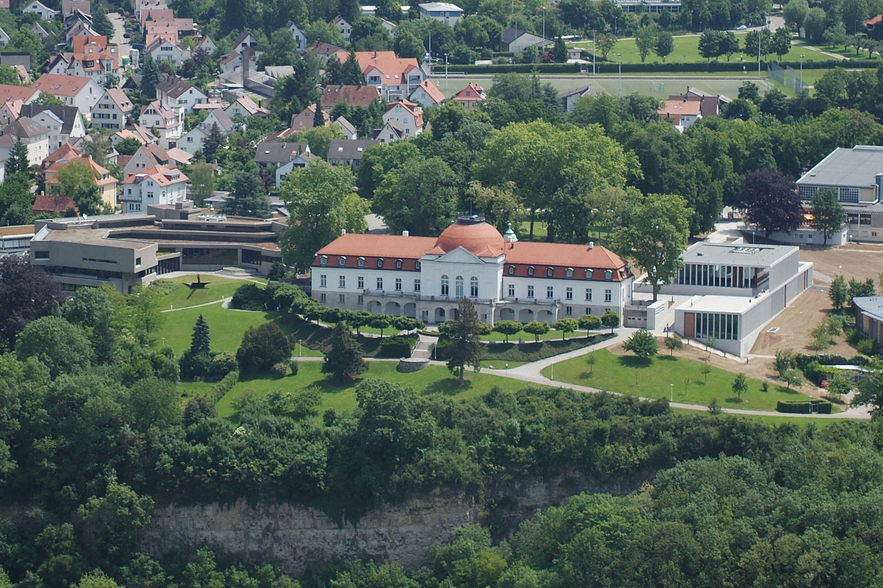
[786, 76]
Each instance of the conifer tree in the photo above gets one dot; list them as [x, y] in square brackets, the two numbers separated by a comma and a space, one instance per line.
[344, 360]
[200, 343]
[318, 117]
[465, 337]
[18, 159]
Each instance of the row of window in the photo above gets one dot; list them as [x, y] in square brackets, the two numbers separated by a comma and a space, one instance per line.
[590, 274]
[720, 326]
[341, 299]
[568, 293]
[360, 283]
[341, 261]
[843, 194]
[858, 219]
[101, 115]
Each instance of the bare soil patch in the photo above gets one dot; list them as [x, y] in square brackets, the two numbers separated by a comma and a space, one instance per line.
[860, 264]
[795, 324]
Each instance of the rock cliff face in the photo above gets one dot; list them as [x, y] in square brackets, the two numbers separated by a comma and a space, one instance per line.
[402, 533]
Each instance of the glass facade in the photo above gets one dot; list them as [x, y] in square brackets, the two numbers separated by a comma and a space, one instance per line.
[723, 327]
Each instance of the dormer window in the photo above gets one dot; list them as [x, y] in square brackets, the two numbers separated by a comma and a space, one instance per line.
[341, 261]
[323, 260]
[380, 263]
[417, 265]
[550, 271]
[589, 274]
[511, 270]
[398, 264]
[569, 273]
[361, 262]
[608, 275]
[530, 270]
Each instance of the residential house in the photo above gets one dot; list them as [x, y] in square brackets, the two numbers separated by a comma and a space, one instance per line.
[271, 153]
[300, 38]
[162, 120]
[38, 30]
[10, 111]
[395, 77]
[681, 112]
[349, 130]
[304, 119]
[107, 184]
[469, 96]
[230, 62]
[65, 152]
[390, 133]
[298, 160]
[4, 38]
[345, 28]
[4, 4]
[517, 39]
[10, 93]
[450, 14]
[91, 58]
[352, 96]
[80, 29]
[72, 90]
[64, 122]
[112, 110]
[162, 49]
[245, 41]
[69, 7]
[245, 107]
[709, 104]
[389, 26]
[326, 51]
[38, 7]
[54, 206]
[205, 44]
[348, 152]
[571, 97]
[34, 135]
[408, 116]
[155, 15]
[136, 131]
[180, 95]
[153, 186]
[133, 82]
[138, 6]
[427, 94]
[427, 277]
[194, 140]
[148, 155]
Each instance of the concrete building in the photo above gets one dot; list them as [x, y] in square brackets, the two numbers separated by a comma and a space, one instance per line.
[127, 250]
[857, 176]
[735, 290]
[425, 277]
[450, 14]
[869, 316]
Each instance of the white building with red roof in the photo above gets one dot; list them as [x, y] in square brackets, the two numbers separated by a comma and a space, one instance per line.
[469, 96]
[396, 76]
[161, 119]
[111, 110]
[425, 277]
[72, 90]
[427, 94]
[152, 186]
[407, 116]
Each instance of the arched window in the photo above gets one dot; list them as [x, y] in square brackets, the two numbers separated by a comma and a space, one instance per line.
[323, 261]
[458, 286]
[341, 261]
[589, 274]
[417, 265]
[530, 270]
[608, 275]
[380, 262]
[473, 287]
[361, 262]
[550, 271]
[569, 273]
[445, 287]
[511, 270]
[398, 264]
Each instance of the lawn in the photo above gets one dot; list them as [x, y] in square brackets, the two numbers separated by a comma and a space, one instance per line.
[775, 420]
[177, 295]
[552, 335]
[651, 378]
[431, 380]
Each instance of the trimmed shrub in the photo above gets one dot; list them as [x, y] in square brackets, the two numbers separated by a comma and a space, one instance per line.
[804, 406]
[280, 370]
[293, 366]
[224, 386]
[397, 346]
[251, 297]
[222, 364]
[868, 347]
[262, 348]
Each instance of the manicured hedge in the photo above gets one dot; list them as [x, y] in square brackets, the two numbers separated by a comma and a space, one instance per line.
[397, 346]
[804, 406]
[525, 351]
[498, 68]
[225, 385]
[802, 360]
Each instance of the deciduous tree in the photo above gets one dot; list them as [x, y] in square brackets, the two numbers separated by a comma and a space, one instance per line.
[770, 200]
[740, 386]
[838, 292]
[828, 214]
[262, 348]
[674, 343]
[27, 294]
[507, 328]
[645, 38]
[642, 343]
[610, 319]
[565, 325]
[589, 322]
[656, 237]
[439, 187]
[665, 45]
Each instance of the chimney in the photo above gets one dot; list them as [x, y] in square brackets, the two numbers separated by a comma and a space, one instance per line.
[375, 54]
[342, 232]
[405, 233]
[591, 245]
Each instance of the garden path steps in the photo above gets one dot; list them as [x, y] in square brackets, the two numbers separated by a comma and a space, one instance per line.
[423, 349]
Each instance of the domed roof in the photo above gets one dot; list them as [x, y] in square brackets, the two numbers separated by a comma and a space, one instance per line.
[472, 234]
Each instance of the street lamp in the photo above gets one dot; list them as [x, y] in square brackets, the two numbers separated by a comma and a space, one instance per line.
[544, 27]
[300, 347]
[801, 72]
[671, 392]
[594, 52]
[446, 74]
[620, 73]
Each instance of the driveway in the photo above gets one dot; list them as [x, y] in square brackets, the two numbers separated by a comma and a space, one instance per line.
[118, 39]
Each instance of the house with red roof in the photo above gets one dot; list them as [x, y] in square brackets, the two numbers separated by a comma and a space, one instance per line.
[153, 186]
[111, 110]
[54, 206]
[427, 94]
[425, 277]
[469, 96]
[352, 96]
[406, 115]
[159, 117]
[72, 90]
[107, 184]
[396, 77]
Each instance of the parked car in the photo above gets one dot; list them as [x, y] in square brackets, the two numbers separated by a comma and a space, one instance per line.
[741, 28]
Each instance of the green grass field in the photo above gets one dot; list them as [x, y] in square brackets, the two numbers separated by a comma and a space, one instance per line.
[431, 380]
[180, 296]
[775, 420]
[651, 379]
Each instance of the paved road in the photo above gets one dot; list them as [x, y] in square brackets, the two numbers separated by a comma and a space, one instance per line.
[118, 39]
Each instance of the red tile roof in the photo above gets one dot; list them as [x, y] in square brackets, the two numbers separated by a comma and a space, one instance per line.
[53, 204]
[374, 247]
[560, 257]
[351, 95]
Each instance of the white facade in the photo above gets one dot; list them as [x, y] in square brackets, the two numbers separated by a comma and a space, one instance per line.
[159, 116]
[153, 186]
[38, 7]
[410, 120]
[299, 37]
[107, 113]
[445, 12]
[73, 91]
[183, 102]
[57, 135]
[165, 50]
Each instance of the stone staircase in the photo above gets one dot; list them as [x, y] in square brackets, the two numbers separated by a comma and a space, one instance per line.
[423, 349]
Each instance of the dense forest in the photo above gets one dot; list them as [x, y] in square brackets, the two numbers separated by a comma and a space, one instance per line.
[94, 435]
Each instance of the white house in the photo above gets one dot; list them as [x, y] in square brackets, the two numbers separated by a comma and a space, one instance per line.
[395, 77]
[38, 7]
[153, 186]
[34, 135]
[64, 122]
[159, 117]
[517, 39]
[408, 116]
[299, 159]
[426, 277]
[165, 50]
[148, 155]
[245, 107]
[180, 95]
[450, 14]
[194, 140]
[350, 132]
[111, 110]
[345, 28]
[4, 38]
[427, 94]
[299, 37]
[72, 90]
